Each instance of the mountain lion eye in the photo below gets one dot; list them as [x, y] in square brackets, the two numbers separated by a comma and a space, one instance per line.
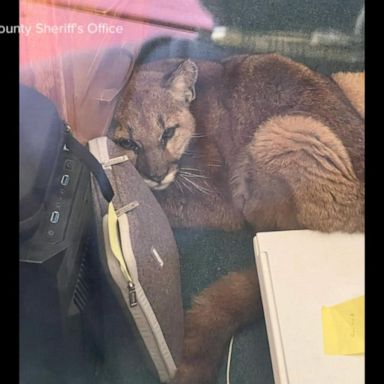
[129, 144]
[168, 134]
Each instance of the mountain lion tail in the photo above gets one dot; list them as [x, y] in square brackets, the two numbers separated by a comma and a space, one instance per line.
[216, 314]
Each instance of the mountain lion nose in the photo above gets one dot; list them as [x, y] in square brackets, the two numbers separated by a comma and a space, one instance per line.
[157, 178]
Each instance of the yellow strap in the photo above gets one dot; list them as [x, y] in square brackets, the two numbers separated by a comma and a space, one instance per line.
[115, 240]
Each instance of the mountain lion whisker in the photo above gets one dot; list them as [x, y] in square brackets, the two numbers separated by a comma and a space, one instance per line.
[197, 186]
[185, 185]
[189, 174]
[191, 169]
[179, 185]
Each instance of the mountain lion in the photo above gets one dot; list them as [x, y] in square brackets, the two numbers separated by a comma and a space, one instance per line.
[252, 140]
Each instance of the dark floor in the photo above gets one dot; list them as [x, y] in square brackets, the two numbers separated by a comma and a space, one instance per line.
[205, 257]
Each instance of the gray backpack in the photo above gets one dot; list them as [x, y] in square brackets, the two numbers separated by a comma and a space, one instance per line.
[140, 257]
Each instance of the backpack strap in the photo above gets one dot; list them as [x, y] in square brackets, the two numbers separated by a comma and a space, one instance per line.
[82, 153]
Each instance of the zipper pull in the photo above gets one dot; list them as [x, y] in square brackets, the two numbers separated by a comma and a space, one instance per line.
[132, 294]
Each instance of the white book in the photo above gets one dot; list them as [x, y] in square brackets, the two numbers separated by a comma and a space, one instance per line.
[299, 272]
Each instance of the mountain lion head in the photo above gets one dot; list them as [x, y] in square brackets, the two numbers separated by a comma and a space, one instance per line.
[154, 124]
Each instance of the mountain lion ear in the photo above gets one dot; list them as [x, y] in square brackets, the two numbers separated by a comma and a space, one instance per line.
[181, 82]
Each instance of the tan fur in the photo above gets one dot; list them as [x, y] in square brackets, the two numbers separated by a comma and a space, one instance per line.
[312, 163]
[353, 84]
[266, 142]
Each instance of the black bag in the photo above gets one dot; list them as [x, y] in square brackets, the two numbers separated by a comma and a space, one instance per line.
[58, 324]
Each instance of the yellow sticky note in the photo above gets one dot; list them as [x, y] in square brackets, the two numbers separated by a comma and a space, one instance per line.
[343, 327]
